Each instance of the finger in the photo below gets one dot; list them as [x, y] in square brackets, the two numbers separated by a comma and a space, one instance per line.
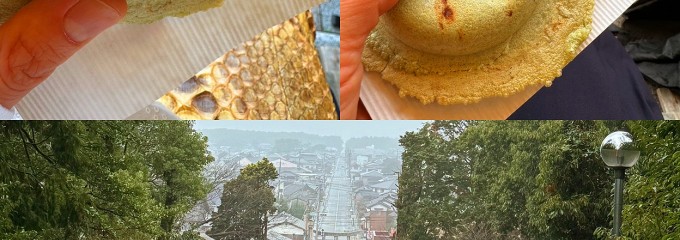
[386, 5]
[351, 72]
[359, 17]
[43, 35]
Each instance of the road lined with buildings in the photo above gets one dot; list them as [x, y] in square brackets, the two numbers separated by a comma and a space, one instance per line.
[338, 217]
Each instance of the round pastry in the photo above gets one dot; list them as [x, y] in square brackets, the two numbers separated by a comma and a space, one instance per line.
[462, 51]
[139, 11]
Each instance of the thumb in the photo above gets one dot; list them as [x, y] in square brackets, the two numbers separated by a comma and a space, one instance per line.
[359, 17]
[43, 35]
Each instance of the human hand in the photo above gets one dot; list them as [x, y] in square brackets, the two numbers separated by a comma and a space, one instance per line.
[359, 17]
[43, 35]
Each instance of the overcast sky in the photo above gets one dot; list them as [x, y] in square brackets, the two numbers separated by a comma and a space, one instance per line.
[344, 129]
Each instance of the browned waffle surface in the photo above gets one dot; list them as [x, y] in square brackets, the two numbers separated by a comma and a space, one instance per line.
[276, 75]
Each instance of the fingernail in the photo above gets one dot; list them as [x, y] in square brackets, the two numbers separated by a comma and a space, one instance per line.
[88, 18]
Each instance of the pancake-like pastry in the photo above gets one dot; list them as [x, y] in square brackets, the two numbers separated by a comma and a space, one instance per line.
[139, 11]
[462, 51]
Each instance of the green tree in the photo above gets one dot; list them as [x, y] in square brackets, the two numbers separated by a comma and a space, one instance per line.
[427, 188]
[92, 180]
[176, 155]
[571, 199]
[652, 194]
[246, 203]
[502, 161]
[391, 165]
[297, 209]
[510, 179]
[67, 179]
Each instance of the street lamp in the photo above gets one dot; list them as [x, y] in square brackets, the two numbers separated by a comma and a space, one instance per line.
[619, 152]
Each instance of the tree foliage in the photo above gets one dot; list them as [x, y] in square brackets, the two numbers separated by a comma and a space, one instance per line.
[261, 172]
[533, 179]
[246, 203]
[427, 185]
[571, 198]
[113, 180]
[652, 193]
[391, 165]
[295, 207]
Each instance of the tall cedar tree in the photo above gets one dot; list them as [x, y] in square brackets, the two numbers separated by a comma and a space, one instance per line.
[247, 201]
[98, 180]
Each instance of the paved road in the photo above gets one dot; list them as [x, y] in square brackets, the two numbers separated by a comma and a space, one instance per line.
[338, 208]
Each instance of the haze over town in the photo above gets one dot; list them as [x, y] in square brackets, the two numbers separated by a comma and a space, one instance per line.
[344, 129]
[336, 180]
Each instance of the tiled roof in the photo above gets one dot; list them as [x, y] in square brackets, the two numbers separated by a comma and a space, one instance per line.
[285, 218]
[387, 185]
[276, 236]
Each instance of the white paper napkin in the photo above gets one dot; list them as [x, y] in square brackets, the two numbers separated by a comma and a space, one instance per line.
[128, 67]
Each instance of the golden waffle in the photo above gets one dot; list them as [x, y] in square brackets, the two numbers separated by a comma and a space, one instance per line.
[276, 75]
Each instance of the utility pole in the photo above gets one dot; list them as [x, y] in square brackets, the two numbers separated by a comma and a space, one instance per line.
[278, 193]
[318, 212]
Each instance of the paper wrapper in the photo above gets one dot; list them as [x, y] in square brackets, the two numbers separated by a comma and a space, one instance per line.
[383, 102]
[128, 67]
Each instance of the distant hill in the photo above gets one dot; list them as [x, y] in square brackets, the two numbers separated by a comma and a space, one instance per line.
[383, 143]
[242, 138]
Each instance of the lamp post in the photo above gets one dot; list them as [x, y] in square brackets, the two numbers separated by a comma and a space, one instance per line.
[619, 153]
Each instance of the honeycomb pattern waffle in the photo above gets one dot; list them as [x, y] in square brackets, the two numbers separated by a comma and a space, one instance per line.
[275, 76]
